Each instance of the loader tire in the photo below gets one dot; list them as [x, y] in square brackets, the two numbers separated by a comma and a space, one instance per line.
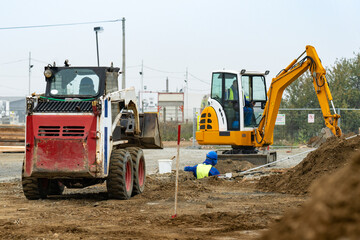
[119, 182]
[139, 169]
[55, 187]
[34, 188]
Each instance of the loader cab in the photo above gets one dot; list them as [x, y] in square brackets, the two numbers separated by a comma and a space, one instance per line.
[80, 82]
[242, 97]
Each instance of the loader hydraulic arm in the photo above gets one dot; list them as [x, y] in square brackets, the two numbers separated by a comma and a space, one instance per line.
[265, 130]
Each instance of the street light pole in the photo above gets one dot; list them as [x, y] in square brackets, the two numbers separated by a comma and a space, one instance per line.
[97, 48]
[98, 29]
[123, 85]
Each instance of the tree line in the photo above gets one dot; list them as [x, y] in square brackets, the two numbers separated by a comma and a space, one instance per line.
[344, 82]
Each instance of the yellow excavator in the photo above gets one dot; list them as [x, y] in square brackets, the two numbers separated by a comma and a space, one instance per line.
[242, 114]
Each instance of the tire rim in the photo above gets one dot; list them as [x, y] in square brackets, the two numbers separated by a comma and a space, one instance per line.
[128, 179]
[141, 172]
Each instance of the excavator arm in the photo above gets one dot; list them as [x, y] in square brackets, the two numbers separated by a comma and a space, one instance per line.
[265, 130]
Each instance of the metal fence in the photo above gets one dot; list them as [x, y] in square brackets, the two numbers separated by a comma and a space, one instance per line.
[298, 125]
[301, 124]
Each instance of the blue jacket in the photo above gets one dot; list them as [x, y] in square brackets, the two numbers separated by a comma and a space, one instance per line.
[213, 171]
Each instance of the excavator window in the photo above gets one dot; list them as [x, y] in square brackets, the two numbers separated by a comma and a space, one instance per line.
[217, 87]
[250, 98]
[245, 84]
[225, 90]
[254, 89]
[258, 86]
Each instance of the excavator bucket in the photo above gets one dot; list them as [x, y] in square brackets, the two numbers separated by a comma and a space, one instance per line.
[150, 132]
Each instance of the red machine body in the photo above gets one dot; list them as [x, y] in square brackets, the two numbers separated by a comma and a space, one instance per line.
[60, 145]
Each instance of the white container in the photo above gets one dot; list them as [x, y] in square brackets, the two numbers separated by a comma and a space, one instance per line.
[164, 165]
[228, 175]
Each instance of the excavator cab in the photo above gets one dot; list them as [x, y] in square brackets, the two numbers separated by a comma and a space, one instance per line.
[236, 106]
[238, 99]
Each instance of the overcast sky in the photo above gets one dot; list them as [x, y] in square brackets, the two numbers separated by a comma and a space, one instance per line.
[171, 36]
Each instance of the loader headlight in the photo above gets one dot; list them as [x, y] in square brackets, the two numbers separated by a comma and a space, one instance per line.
[48, 73]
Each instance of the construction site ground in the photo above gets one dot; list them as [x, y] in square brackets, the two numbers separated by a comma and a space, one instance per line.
[210, 208]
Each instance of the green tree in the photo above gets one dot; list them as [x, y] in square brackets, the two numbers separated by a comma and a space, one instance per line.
[344, 80]
[344, 83]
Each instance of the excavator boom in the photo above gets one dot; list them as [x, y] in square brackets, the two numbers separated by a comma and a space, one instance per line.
[265, 130]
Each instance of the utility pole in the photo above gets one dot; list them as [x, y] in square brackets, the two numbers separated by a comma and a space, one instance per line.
[187, 93]
[142, 86]
[30, 66]
[167, 84]
[123, 54]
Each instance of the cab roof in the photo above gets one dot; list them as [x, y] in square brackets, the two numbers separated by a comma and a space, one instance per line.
[241, 72]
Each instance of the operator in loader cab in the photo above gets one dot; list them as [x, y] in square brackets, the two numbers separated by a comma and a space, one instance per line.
[87, 87]
[205, 169]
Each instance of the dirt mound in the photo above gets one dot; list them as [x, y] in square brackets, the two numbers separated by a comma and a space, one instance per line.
[228, 165]
[189, 186]
[333, 212]
[316, 141]
[331, 155]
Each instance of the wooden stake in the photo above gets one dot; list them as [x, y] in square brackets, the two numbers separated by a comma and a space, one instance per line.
[177, 171]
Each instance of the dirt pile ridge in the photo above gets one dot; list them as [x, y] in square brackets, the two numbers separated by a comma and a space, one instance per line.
[330, 156]
[333, 212]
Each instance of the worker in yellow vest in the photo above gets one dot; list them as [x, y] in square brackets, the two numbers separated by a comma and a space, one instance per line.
[205, 169]
[233, 93]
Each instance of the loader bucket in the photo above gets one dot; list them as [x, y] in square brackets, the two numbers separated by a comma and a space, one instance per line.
[150, 132]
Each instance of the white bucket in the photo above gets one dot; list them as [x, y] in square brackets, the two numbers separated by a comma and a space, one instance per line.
[164, 165]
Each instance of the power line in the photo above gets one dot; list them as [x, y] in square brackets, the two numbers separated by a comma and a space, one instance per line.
[11, 88]
[162, 76]
[13, 76]
[157, 70]
[40, 61]
[133, 66]
[199, 90]
[16, 61]
[59, 25]
[203, 81]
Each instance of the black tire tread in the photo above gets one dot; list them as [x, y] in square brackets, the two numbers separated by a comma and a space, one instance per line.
[115, 183]
[31, 186]
[32, 189]
[135, 152]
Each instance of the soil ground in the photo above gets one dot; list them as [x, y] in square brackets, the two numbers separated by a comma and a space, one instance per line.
[332, 155]
[210, 208]
[332, 212]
